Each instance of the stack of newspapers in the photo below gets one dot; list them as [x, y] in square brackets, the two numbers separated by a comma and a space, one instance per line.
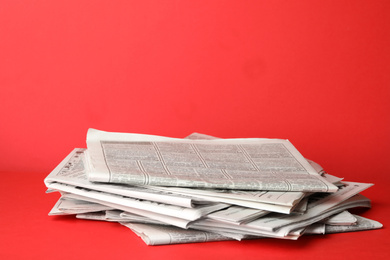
[202, 188]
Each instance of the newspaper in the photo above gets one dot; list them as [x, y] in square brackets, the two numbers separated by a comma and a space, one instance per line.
[244, 164]
[287, 199]
[241, 232]
[152, 234]
[117, 216]
[66, 206]
[197, 190]
[107, 215]
[156, 233]
[72, 171]
[168, 210]
[238, 199]
[133, 218]
[293, 227]
[165, 235]
[320, 204]
[99, 215]
[302, 206]
[344, 218]
[361, 224]
[237, 215]
[166, 219]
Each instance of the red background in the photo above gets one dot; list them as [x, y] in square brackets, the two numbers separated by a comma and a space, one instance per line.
[314, 72]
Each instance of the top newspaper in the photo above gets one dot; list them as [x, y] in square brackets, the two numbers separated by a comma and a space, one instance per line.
[240, 164]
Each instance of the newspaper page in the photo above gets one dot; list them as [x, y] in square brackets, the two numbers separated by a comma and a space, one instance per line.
[99, 215]
[233, 200]
[244, 164]
[130, 217]
[270, 197]
[237, 215]
[278, 198]
[112, 215]
[301, 207]
[344, 218]
[199, 136]
[148, 224]
[320, 203]
[165, 235]
[72, 170]
[174, 221]
[293, 230]
[169, 210]
[361, 224]
[216, 226]
[117, 216]
[69, 206]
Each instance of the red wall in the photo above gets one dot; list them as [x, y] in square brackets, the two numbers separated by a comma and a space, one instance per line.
[314, 72]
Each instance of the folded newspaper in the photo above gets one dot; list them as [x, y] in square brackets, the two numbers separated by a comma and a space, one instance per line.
[202, 188]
